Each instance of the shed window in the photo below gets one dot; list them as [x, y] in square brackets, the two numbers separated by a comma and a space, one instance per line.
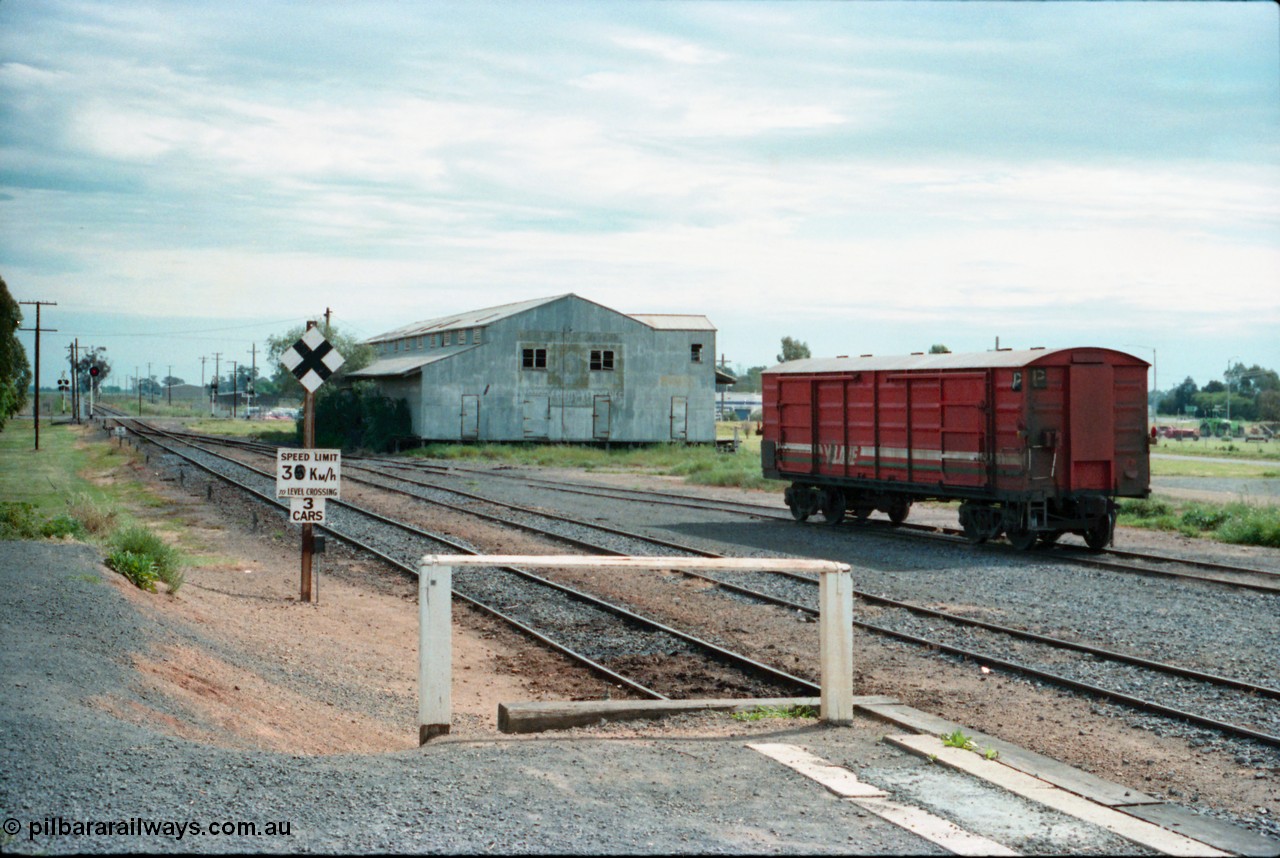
[1039, 378]
[395, 346]
[533, 359]
[435, 340]
[695, 352]
[602, 360]
[420, 342]
[475, 335]
[447, 338]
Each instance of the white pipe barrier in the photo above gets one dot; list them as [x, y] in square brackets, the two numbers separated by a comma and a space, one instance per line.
[435, 621]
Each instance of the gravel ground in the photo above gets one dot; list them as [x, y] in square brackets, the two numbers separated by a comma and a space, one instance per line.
[71, 631]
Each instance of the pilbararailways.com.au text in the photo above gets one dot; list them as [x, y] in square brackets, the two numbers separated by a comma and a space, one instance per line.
[58, 826]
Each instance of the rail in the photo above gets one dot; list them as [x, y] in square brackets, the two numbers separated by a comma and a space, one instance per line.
[435, 621]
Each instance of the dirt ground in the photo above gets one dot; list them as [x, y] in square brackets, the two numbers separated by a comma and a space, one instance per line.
[248, 665]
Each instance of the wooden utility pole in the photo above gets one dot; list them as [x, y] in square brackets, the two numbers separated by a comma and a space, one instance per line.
[35, 411]
[308, 443]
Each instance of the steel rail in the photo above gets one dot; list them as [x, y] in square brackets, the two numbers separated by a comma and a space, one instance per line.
[737, 660]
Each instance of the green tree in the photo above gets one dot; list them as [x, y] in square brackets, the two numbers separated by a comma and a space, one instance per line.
[1179, 397]
[355, 354]
[89, 358]
[1269, 405]
[359, 417]
[749, 380]
[939, 349]
[15, 370]
[793, 350]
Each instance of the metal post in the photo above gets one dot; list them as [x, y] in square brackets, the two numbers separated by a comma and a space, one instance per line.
[435, 651]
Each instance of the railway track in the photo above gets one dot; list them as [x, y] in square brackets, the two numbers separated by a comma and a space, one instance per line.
[1113, 559]
[1100, 671]
[669, 663]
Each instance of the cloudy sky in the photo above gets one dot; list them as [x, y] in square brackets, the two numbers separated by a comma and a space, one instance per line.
[185, 178]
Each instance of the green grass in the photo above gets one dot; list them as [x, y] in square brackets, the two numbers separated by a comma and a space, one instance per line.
[269, 431]
[83, 491]
[1221, 448]
[1237, 523]
[1184, 468]
[697, 464]
[760, 713]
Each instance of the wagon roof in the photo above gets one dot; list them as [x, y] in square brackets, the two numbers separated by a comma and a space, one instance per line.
[968, 360]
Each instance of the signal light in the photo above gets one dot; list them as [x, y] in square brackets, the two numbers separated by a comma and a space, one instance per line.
[94, 371]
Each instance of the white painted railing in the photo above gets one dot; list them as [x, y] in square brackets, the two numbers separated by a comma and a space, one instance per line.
[435, 613]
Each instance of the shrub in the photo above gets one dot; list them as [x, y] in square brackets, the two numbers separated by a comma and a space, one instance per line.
[1201, 517]
[62, 525]
[18, 521]
[1252, 526]
[138, 568]
[1143, 508]
[165, 560]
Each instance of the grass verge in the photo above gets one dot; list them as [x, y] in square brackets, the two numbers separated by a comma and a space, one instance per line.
[83, 491]
[1237, 523]
[696, 464]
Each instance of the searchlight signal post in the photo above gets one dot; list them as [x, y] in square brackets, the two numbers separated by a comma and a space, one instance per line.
[308, 476]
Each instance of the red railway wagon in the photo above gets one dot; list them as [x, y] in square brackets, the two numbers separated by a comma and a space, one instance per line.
[1034, 443]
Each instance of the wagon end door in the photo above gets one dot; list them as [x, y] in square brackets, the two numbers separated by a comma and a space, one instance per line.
[1092, 430]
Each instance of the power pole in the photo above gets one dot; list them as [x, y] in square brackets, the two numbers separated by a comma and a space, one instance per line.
[235, 387]
[213, 392]
[137, 378]
[75, 378]
[151, 388]
[327, 312]
[35, 410]
[253, 373]
[169, 384]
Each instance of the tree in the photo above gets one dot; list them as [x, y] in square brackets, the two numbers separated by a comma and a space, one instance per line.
[172, 381]
[793, 350]
[749, 380]
[359, 417]
[356, 355]
[15, 371]
[1269, 405]
[1179, 397]
[939, 349]
[89, 358]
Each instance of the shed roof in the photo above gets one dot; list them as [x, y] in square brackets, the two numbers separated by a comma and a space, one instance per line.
[966, 360]
[674, 322]
[402, 366]
[488, 315]
[469, 319]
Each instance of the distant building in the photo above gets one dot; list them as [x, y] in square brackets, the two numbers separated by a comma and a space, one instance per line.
[553, 369]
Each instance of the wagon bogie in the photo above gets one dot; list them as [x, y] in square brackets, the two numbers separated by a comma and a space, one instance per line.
[1034, 443]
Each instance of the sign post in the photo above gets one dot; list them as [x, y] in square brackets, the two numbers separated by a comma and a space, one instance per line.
[312, 360]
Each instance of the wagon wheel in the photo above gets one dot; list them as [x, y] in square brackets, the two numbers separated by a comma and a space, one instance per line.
[898, 510]
[798, 512]
[1049, 537]
[863, 513]
[1097, 536]
[833, 505]
[972, 525]
[1022, 539]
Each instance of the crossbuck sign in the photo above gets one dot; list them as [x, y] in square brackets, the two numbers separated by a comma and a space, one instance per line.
[312, 359]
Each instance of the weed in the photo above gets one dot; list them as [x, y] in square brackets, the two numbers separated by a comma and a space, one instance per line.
[18, 520]
[98, 519]
[61, 526]
[138, 568]
[759, 713]
[958, 740]
[165, 559]
[990, 754]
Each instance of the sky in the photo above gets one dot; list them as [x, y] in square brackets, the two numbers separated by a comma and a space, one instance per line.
[185, 179]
